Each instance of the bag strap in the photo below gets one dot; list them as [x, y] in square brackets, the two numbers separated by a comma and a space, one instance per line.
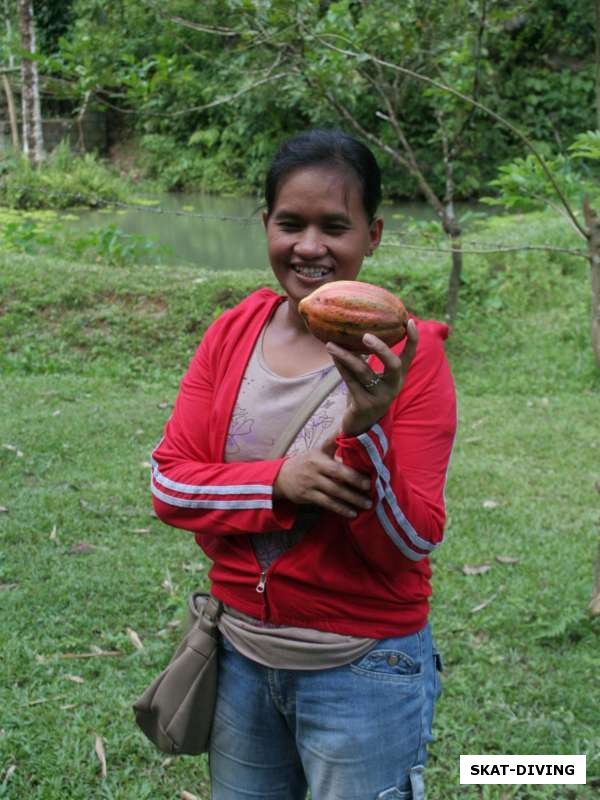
[214, 607]
[304, 413]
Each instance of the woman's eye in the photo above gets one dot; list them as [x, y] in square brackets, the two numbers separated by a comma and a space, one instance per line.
[289, 226]
[336, 230]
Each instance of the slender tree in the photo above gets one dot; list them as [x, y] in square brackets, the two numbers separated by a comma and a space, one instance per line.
[10, 100]
[33, 139]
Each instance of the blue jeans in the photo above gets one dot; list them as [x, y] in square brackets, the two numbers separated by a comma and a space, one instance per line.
[356, 732]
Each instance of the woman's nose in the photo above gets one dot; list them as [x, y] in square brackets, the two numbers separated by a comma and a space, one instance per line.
[309, 244]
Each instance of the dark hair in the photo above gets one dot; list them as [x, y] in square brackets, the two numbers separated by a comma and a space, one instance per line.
[328, 148]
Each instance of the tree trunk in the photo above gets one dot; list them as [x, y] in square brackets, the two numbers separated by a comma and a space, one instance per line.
[594, 606]
[12, 114]
[597, 5]
[593, 223]
[451, 227]
[33, 142]
[454, 279]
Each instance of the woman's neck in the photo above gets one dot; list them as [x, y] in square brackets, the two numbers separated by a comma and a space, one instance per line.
[291, 316]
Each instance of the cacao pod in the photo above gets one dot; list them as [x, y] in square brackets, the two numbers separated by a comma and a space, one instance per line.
[343, 311]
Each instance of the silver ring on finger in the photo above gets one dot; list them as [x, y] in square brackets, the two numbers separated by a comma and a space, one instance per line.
[373, 382]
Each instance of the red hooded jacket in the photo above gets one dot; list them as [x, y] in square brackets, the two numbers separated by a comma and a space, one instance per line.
[369, 576]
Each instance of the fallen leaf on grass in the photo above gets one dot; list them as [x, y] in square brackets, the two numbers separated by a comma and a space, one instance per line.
[484, 604]
[98, 512]
[187, 796]
[476, 569]
[139, 530]
[9, 773]
[42, 700]
[81, 549]
[507, 559]
[74, 678]
[490, 504]
[6, 587]
[53, 536]
[167, 762]
[189, 567]
[13, 449]
[134, 639]
[145, 465]
[3, 510]
[473, 440]
[56, 413]
[168, 583]
[163, 406]
[95, 654]
[99, 748]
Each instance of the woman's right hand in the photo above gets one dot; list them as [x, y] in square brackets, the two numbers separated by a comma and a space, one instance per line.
[317, 477]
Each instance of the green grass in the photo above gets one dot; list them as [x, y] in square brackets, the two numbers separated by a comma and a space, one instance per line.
[91, 360]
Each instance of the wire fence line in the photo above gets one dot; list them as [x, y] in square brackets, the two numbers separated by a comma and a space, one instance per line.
[472, 247]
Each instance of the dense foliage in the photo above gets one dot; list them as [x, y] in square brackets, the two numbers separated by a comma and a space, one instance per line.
[168, 67]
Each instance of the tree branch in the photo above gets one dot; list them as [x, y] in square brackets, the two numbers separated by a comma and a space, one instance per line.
[218, 102]
[438, 85]
[196, 26]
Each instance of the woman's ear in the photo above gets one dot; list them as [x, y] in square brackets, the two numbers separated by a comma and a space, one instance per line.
[375, 234]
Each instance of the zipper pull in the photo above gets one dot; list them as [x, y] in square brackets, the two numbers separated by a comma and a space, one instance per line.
[260, 586]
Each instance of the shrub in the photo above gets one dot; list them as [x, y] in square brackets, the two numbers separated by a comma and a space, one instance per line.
[64, 180]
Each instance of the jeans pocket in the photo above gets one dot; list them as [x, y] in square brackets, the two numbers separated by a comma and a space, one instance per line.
[397, 660]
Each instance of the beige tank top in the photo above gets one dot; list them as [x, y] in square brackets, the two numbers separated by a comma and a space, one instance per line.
[264, 405]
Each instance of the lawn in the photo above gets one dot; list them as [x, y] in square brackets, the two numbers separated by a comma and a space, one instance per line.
[91, 360]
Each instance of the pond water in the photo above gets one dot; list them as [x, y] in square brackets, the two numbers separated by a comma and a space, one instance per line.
[218, 232]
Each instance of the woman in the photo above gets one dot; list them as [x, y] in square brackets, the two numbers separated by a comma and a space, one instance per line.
[327, 674]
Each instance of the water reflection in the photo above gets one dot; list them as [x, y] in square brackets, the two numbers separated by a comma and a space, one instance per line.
[227, 233]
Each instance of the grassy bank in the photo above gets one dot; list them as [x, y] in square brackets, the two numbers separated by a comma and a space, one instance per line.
[90, 361]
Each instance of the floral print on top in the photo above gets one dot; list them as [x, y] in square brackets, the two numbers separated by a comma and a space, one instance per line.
[265, 404]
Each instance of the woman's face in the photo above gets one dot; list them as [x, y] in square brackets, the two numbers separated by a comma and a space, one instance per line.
[318, 230]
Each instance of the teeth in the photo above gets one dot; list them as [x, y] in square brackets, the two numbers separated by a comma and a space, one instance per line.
[311, 272]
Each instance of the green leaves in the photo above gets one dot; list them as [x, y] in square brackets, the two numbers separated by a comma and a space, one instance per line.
[586, 146]
[523, 185]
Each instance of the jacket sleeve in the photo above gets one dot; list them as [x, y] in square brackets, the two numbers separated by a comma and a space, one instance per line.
[407, 454]
[192, 491]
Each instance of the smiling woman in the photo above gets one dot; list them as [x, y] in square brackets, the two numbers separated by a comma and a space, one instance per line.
[320, 554]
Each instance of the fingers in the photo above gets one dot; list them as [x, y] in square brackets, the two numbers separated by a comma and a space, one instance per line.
[410, 348]
[388, 358]
[321, 480]
[354, 370]
[350, 377]
[337, 506]
[338, 497]
[338, 471]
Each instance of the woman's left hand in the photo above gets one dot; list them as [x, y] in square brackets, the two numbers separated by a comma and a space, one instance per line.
[370, 394]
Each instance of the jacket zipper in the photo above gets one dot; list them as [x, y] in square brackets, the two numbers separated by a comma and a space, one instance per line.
[260, 586]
